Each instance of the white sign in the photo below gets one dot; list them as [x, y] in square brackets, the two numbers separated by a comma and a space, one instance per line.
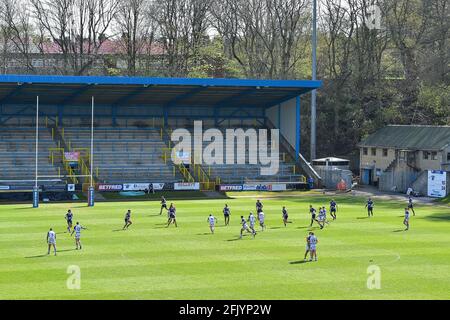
[264, 187]
[136, 186]
[158, 186]
[183, 156]
[249, 187]
[186, 186]
[437, 183]
[109, 187]
[4, 187]
[70, 187]
[279, 187]
[232, 187]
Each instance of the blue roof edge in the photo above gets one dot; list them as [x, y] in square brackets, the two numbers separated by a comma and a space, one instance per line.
[120, 80]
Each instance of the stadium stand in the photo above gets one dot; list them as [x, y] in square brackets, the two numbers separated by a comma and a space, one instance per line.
[121, 155]
[245, 173]
[126, 154]
[132, 125]
[17, 155]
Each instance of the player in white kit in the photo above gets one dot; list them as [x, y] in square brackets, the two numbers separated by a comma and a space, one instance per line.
[245, 227]
[406, 219]
[212, 222]
[313, 247]
[252, 221]
[51, 240]
[307, 249]
[77, 230]
[261, 219]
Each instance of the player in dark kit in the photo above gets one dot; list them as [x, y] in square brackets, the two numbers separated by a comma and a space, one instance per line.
[411, 206]
[259, 206]
[226, 214]
[69, 217]
[163, 204]
[285, 216]
[172, 216]
[333, 209]
[369, 206]
[127, 220]
[312, 211]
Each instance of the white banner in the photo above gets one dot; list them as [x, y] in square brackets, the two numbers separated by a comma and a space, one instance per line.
[158, 186]
[186, 186]
[109, 187]
[135, 186]
[4, 187]
[249, 187]
[437, 183]
[264, 187]
[279, 187]
[232, 187]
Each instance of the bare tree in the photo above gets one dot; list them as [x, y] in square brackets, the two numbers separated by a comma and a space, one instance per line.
[182, 25]
[406, 20]
[77, 27]
[137, 30]
[264, 36]
[17, 19]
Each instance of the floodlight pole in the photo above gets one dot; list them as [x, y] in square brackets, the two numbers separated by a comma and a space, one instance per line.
[314, 77]
[36, 187]
[91, 186]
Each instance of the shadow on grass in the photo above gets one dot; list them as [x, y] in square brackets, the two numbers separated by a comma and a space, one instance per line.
[38, 256]
[399, 230]
[51, 253]
[362, 218]
[273, 228]
[66, 250]
[297, 262]
[117, 230]
[439, 217]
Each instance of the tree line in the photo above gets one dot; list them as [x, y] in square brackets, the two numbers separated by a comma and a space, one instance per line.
[382, 62]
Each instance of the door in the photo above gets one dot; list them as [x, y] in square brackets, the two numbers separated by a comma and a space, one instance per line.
[366, 176]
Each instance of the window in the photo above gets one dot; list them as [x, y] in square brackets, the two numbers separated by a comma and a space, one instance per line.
[385, 152]
[448, 156]
[374, 151]
[434, 155]
[426, 155]
[365, 151]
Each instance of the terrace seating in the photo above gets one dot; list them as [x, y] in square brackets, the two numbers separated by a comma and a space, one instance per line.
[124, 155]
[242, 173]
[17, 155]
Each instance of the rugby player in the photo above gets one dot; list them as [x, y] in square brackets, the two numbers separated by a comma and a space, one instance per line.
[212, 222]
[127, 220]
[172, 216]
[369, 206]
[226, 214]
[51, 240]
[77, 229]
[69, 217]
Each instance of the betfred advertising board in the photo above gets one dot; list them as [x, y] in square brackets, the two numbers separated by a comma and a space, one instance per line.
[231, 187]
[110, 187]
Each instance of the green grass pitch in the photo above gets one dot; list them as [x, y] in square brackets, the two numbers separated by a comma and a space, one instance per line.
[150, 261]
